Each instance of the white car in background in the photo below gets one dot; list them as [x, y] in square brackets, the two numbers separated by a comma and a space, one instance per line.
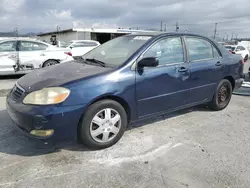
[19, 56]
[238, 49]
[80, 47]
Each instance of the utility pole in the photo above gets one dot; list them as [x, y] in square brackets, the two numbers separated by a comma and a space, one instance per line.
[177, 27]
[165, 27]
[161, 25]
[215, 30]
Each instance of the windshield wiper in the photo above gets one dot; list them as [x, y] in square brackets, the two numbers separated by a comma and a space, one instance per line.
[96, 62]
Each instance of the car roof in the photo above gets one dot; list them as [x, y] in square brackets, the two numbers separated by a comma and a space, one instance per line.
[28, 40]
[83, 41]
[160, 33]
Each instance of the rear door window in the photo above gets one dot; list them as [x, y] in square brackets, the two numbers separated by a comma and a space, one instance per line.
[216, 53]
[199, 49]
[31, 46]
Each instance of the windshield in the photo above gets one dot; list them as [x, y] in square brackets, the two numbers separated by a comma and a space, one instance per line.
[115, 52]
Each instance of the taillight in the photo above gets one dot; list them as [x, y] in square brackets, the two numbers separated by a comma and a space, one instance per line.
[68, 53]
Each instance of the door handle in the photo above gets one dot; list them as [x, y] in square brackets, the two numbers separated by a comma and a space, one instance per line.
[183, 69]
[218, 63]
[42, 54]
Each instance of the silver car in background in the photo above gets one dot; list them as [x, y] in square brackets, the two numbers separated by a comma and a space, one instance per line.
[19, 56]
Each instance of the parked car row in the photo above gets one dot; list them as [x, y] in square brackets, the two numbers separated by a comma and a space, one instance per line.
[23, 55]
[20, 56]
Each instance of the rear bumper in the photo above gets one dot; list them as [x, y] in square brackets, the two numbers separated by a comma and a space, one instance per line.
[238, 83]
[69, 58]
[63, 120]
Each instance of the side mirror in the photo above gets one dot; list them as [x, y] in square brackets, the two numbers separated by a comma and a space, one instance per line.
[148, 62]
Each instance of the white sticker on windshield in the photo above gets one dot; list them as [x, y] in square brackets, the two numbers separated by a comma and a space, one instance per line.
[142, 37]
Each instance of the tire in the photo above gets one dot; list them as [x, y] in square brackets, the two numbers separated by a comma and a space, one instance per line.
[103, 132]
[246, 58]
[49, 63]
[222, 95]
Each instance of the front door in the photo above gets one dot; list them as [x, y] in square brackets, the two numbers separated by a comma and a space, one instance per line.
[164, 87]
[205, 68]
[8, 57]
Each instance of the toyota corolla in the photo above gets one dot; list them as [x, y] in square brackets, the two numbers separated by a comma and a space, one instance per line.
[124, 80]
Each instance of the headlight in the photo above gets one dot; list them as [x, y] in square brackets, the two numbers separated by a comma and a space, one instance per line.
[51, 95]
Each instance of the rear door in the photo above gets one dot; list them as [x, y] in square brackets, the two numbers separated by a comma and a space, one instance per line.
[32, 53]
[164, 87]
[8, 57]
[206, 65]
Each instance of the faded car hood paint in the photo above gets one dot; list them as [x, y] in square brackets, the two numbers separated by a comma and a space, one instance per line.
[58, 75]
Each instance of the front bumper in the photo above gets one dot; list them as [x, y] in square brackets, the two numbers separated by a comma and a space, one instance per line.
[62, 119]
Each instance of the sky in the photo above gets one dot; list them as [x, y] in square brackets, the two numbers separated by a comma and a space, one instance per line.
[198, 16]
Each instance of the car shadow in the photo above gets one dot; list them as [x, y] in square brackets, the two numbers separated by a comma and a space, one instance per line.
[13, 142]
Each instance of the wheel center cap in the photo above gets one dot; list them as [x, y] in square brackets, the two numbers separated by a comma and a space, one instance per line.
[107, 124]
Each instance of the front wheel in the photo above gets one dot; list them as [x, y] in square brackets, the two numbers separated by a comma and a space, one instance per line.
[103, 124]
[222, 95]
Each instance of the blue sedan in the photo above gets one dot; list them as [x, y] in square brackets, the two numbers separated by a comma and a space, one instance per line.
[124, 80]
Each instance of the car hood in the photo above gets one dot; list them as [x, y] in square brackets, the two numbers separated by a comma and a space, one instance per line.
[58, 75]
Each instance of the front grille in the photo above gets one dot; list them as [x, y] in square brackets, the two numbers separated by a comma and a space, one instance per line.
[17, 92]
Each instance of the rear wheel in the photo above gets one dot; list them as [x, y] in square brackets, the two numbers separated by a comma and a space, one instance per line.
[222, 95]
[49, 63]
[103, 124]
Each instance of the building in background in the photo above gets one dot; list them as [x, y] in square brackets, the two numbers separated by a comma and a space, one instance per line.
[100, 35]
